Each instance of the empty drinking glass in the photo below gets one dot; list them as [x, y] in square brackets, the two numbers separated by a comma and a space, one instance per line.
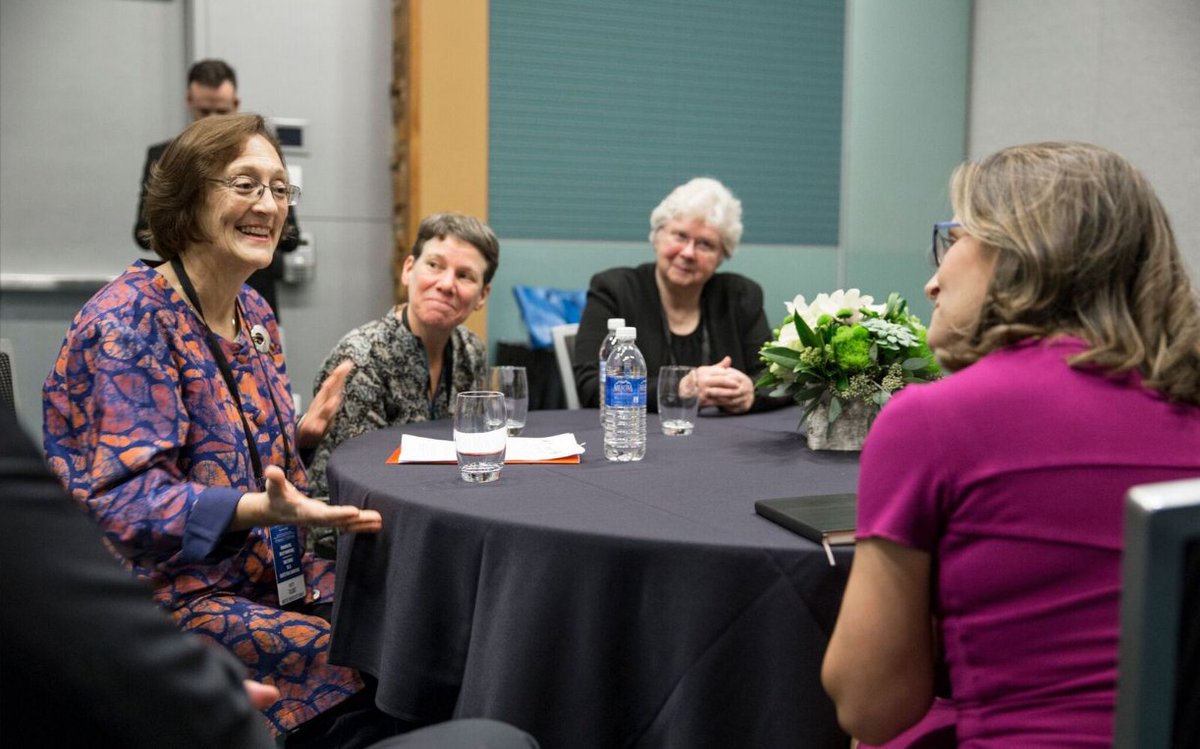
[479, 434]
[513, 382]
[678, 399]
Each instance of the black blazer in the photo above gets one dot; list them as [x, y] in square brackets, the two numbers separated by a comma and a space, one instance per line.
[731, 312]
[262, 281]
[88, 659]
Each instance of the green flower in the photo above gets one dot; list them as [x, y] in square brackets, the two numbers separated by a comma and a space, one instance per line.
[812, 357]
[852, 348]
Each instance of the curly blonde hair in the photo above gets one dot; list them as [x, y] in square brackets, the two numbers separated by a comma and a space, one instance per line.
[1084, 248]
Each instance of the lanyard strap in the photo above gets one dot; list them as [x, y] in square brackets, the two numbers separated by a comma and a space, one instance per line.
[226, 373]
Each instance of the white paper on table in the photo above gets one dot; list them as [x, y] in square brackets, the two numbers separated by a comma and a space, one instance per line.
[415, 449]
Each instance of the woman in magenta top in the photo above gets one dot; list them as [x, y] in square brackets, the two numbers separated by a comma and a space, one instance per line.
[992, 500]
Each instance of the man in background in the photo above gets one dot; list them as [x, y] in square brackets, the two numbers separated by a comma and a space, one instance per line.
[212, 89]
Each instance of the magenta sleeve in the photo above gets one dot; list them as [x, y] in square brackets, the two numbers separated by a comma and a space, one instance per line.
[902, 482]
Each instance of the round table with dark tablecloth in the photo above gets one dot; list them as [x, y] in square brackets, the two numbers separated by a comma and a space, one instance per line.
[601, 604]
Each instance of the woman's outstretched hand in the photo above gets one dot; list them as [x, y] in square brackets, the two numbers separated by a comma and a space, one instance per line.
[283, 504]
[324, 407]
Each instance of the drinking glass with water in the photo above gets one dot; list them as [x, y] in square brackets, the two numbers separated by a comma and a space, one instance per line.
[480, 435]
[514, 383]
[678, 399]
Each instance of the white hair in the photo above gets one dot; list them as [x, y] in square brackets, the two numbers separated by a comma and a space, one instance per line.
[708, 200]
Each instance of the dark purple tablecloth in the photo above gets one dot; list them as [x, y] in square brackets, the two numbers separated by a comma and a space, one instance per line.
[601, 604]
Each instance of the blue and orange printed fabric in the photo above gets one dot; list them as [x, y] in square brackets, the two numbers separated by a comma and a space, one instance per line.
[141, 429]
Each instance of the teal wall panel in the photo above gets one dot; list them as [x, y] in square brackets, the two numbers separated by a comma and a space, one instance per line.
[907, 102]
[904, 130]
[598, 109]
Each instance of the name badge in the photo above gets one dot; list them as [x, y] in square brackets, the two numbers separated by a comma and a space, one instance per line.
[285, 554]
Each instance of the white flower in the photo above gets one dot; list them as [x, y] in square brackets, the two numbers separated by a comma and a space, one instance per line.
[788, 335]
[831, 304]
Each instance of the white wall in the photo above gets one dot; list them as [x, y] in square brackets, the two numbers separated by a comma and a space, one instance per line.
[328, 62]
[87, 85]
[1124, 74]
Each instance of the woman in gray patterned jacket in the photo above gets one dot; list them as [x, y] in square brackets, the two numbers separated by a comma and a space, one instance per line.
[409, 365]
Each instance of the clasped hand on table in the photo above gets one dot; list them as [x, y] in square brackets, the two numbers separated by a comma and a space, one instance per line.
[725, 387]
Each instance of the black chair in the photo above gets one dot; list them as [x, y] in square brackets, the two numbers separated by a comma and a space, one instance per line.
[1158, 687]
[545, 387]
[8, 389]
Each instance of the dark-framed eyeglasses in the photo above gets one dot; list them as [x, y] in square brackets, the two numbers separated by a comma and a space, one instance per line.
[942, 241]
[251, 189]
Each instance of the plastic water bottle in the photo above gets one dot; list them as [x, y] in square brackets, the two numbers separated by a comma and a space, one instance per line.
[625, 400]
[606, 347]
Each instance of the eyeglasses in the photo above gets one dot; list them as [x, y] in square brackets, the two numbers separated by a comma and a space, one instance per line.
[942, 241]
[702, 245]
[250, 188]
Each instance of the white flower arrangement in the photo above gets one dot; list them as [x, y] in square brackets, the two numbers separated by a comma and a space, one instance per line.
[842, 347]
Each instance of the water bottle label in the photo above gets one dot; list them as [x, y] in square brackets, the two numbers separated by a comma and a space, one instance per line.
[622, 392]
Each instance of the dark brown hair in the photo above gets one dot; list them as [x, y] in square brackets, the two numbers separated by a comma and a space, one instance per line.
[1084, 248]
[178, 188]
[211, 73]
[467, 228]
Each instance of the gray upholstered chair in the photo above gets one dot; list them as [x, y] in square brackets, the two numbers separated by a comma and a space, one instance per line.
[564, 354]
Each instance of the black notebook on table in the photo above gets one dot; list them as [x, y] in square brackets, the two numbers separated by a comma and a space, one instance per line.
[826, 519]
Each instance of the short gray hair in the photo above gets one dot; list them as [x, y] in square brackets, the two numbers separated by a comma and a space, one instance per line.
[707, 199]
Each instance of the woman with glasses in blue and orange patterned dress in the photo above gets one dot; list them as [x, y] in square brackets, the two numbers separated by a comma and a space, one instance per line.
[169, 416]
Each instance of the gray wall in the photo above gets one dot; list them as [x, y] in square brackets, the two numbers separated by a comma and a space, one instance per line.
[79, 105]
[904, 130]
[1124, 74]
[328, 62]
[929, 83]
[87, 85]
